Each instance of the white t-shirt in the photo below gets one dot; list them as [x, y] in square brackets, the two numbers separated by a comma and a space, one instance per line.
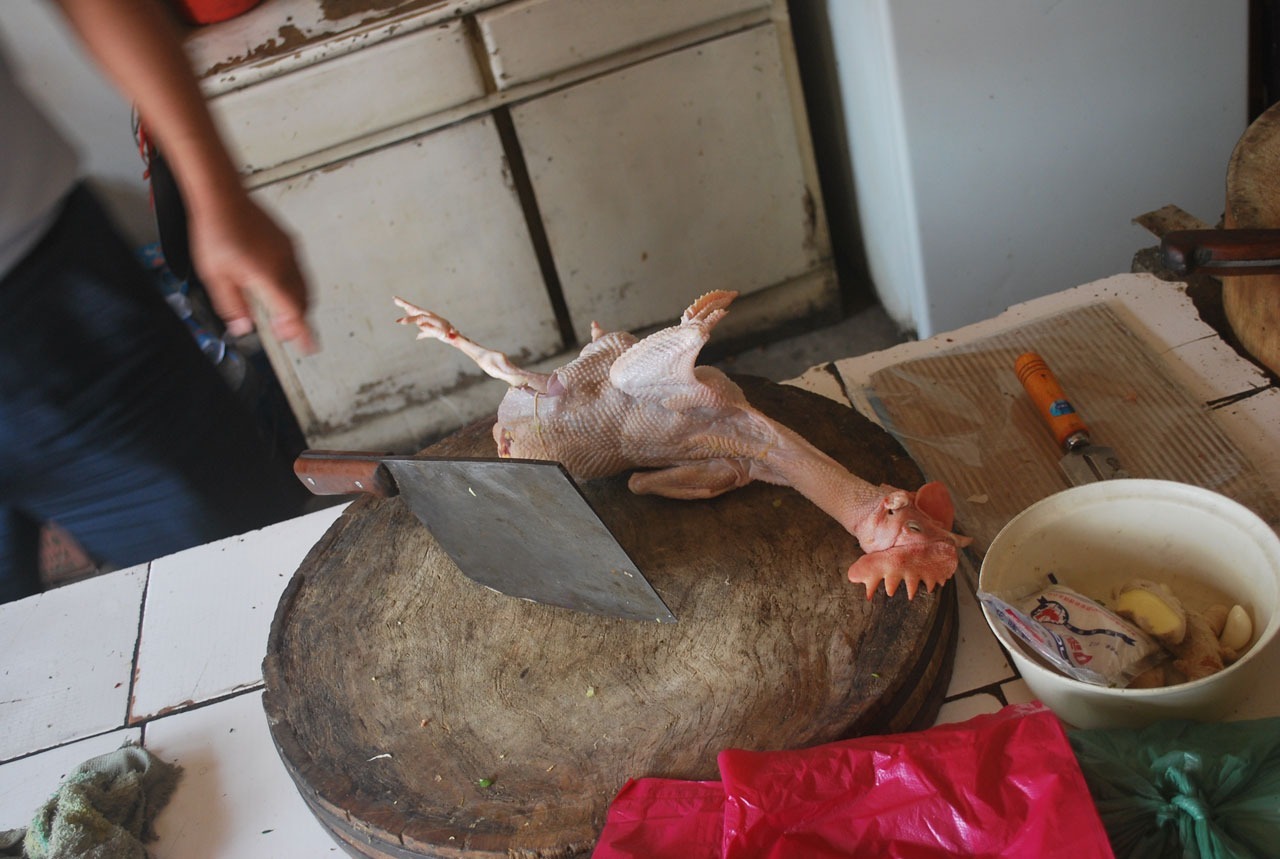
[38, 166]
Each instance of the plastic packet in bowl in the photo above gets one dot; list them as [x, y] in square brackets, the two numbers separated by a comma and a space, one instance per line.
[1077, 635]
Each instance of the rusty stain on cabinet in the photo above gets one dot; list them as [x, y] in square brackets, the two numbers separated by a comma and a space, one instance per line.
[336, 10]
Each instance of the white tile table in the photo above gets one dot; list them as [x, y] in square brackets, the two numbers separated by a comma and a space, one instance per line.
[1193, 354]
[170, 654]
[125, 656]
[235, 799]
[28, 781]
[208, 612]
[68, 662]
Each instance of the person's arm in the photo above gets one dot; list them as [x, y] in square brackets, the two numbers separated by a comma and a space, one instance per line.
[235, 246]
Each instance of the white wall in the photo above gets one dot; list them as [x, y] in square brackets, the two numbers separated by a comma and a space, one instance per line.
[94, 116]
[1002, 147]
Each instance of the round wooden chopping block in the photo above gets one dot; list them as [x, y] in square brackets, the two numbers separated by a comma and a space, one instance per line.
[420, 714]
[1252, 303]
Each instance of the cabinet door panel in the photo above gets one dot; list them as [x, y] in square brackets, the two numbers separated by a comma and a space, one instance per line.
[535, 38]
[670, 178]
[432, 219]
[349, 96]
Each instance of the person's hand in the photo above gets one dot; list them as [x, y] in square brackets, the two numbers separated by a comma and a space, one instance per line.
[240, 251]
[236, 247]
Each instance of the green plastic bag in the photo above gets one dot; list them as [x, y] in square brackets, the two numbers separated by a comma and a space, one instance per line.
[1186, 789]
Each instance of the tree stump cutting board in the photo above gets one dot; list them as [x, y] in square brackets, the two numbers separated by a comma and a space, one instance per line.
[420, 714]
[1252, 302]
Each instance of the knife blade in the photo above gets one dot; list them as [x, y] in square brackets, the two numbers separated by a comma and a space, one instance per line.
[1084, 462]
[520, 527]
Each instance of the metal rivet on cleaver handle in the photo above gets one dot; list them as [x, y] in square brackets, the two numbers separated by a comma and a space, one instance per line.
[1085, 462]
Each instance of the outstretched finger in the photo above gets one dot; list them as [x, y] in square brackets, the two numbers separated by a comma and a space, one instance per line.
[292, 327]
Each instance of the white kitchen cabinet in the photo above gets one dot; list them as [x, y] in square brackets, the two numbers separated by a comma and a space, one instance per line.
[522, 168]
[434, 220]
[535, 39]
[689, 168]
[329, 103]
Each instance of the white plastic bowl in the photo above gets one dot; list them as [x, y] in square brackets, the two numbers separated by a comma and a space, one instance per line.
[1205, 546]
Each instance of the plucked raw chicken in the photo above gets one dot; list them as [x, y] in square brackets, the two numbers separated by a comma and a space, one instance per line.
[627, 403]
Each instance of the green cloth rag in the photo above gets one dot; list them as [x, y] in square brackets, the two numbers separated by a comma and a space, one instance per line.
[104, 809]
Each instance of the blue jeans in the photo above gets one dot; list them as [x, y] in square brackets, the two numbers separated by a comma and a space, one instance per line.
[112, 422]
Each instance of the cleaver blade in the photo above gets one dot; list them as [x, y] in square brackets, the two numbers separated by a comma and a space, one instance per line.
[520, 527]
[1084, 462]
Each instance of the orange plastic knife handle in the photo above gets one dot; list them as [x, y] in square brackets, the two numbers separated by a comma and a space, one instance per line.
[1051, 402]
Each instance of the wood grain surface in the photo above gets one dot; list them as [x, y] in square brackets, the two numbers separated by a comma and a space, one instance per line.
[422, 715]
[1252, 303]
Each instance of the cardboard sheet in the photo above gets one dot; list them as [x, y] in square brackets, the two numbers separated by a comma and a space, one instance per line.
[966, 420]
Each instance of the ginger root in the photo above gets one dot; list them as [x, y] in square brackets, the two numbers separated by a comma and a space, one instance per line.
[1154, 609]
[1200, 642]
[1153, 678]
[1216, 615]
[1200, 653]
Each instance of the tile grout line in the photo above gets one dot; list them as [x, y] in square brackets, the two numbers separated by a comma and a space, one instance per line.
[137, 649]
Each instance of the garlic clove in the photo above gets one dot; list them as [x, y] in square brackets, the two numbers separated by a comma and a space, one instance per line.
[1237, 632]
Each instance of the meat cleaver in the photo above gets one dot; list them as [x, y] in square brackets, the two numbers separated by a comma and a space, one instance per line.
[521, 527]
[1085, 462]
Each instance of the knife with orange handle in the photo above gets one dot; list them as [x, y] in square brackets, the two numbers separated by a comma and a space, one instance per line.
[1084, 462]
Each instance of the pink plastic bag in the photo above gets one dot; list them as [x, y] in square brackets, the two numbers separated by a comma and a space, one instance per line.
[657, 818]
[1001, 785]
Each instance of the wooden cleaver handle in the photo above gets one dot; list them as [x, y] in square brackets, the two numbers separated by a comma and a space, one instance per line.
[1069, 429]
[342, 472]
[1231, 252]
